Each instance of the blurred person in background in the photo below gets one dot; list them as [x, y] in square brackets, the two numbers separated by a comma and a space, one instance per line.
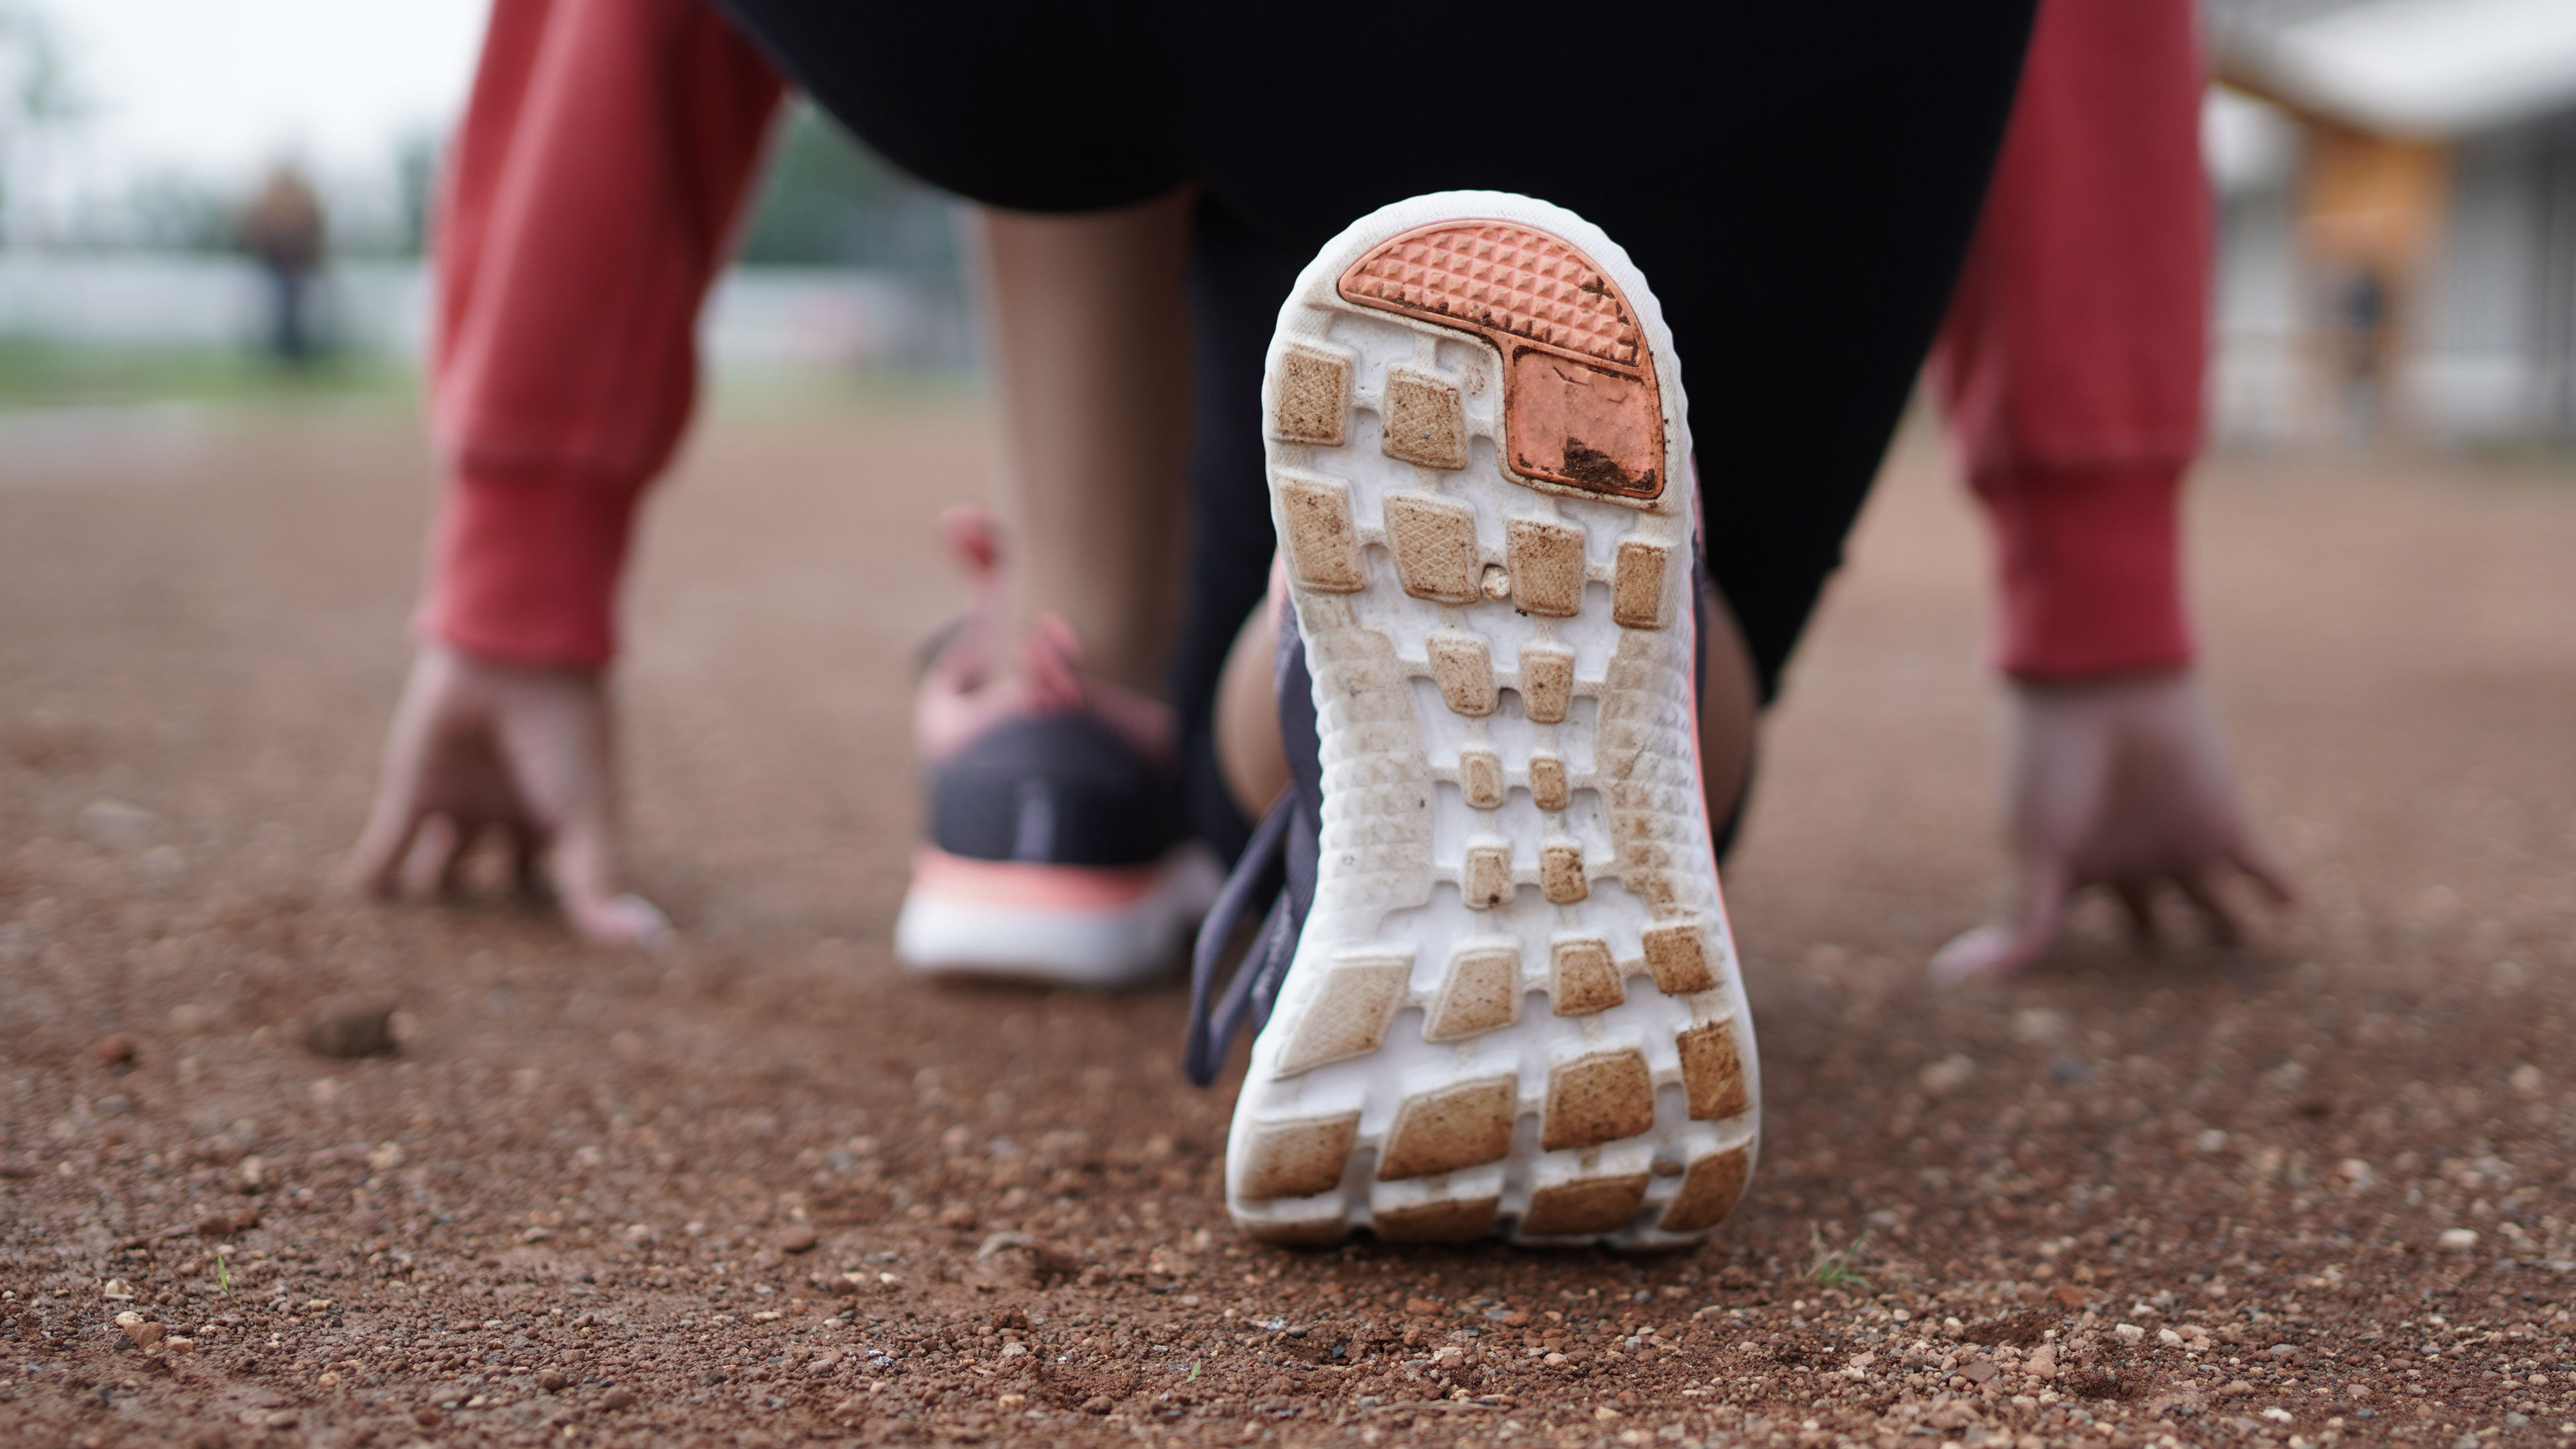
[2361, 323]
[284, 233]
[1806, 194]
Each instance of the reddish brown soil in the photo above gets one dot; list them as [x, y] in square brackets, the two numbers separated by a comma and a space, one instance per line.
[762, 1188]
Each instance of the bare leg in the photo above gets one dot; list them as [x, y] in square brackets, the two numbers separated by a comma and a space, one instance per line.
[1091, 354]
[1255, 766]
[1249, 754]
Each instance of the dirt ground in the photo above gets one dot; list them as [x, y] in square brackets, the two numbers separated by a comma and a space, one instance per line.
[761, 1188]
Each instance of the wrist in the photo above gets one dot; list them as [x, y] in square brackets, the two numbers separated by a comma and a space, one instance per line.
[2090, 565]
[525, 567]
[2097, 686]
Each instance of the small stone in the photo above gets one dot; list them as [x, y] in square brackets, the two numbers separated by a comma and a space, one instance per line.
[327, 1381]
[2129, 1332]
[798, 1239]
[1011, 1403]
[2458, 1240]
[1497, 583]
[117, 1288]
[552, 1380]
[427, 1417]
[2042, 1364]
[1014, 1350]
[1947, 1075]
[176, 1344]
[1422, 1308]
[2067, 1295]
[113, 822]
[145, 1334]
[1015, 1260]
[115, 1051]
[351, 1029]
[2236, 1389]
[227, 1224]
[614, 1400]
[1098, 1404]
[1978, 1371]
[1556, 1360]
[2283, 1350]
[2168, 1338]
[2037, 1025]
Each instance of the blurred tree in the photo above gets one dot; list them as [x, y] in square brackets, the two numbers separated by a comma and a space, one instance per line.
[831, 202]
[37, 98]
[416, 187]
[175, 211]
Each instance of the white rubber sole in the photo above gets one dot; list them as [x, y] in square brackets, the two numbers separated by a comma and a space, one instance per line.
[1107, 947]
[1515, 1006]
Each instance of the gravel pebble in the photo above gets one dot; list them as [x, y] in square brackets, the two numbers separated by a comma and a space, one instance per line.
[351, 1029]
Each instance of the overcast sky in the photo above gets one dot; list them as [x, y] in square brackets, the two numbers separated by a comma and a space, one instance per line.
[225, 87]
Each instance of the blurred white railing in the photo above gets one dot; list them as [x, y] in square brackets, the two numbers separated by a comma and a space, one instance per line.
[782, 316]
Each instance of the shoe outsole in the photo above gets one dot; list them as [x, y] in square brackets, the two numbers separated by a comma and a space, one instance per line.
[1514, 1007]
[1104, 930]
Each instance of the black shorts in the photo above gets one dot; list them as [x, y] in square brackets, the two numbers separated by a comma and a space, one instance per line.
[1797, 181]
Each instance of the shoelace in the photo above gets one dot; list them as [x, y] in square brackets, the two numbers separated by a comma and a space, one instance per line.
[1261, 874]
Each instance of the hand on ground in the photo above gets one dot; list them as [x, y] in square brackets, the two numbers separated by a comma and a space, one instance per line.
[2124, 783]
[481, 747]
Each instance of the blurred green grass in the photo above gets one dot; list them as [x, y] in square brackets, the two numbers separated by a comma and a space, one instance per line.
[38, 375]
[35, 376]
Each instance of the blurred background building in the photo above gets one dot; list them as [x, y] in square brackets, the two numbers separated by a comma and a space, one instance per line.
[2398, 233]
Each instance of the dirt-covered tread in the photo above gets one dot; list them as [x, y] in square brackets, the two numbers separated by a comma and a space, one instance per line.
[1514, 1006]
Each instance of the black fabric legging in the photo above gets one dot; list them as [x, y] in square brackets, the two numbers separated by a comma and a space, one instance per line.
[1798, 182]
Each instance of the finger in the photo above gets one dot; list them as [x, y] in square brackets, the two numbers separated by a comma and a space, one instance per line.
[581, 865]
[398, 811]
[395, 817]
[2267, 871]
[2203, 889]
[429, 868]
[376, 862]
[2009, 948]
[2141, 909]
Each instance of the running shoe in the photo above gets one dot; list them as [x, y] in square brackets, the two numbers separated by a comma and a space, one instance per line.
[1499, 991]
[1055, 851]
